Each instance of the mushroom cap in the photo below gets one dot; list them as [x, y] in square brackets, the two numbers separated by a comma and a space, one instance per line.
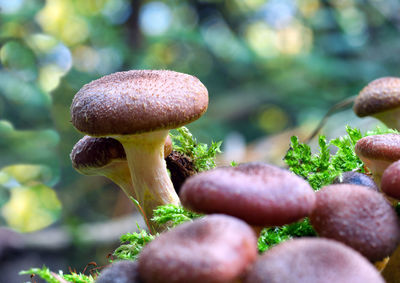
[258, 193]
[213, 249]
[356, 178]
[312, 260]
[358, 217]
[120, 272]
[384, 147]
[90, 152]
[390, 183]
[138, 101]
[378, 96]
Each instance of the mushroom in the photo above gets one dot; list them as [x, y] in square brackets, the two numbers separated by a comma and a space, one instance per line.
[312, 260]
[106, 157]
[212, 249]
[380, 99]
[258, 193]
[356, 178]
[378, 152]
[358, 217]
[120, 272]
[138, 108]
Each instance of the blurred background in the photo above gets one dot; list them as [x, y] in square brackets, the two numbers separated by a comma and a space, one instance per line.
[273, 69]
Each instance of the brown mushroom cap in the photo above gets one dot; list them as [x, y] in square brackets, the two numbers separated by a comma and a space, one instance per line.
[258, 193]
[312, 260]
[379, 147]
[213, 249]
[378, 152]
[135, 101]
[390, 183]
[358, 217]
[90, 152]
[378, 96]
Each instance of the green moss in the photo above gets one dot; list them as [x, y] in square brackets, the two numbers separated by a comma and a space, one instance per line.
[321, 168]
[202, 155]
[50, 277]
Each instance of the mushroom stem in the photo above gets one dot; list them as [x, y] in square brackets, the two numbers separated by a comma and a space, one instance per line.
[119, 173]
[150, 179]
[391, 118]
[391, 273]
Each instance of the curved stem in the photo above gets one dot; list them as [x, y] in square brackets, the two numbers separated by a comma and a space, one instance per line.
[150, 179]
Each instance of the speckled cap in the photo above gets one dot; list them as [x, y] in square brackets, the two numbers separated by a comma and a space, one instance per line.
[379, 95]
[358, 217]
[213, 249]
[96, 152]
[382, 147]
[138, 101]
[312, 260]
[258, 193]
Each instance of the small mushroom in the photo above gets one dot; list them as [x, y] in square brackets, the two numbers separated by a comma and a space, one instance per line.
[380, 99]
[103, 157]
[120, 272]
[356, 178]
[212, 249]
[106, 157]
[258, 193]
[138, 108]
[312, 260]
[378, 152]
[358, 217]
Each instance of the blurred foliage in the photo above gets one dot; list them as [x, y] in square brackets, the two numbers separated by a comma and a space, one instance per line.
[268, 65]
[32, 205]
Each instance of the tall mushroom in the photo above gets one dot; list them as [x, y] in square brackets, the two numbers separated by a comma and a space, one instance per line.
[380, 99]
[138, 108]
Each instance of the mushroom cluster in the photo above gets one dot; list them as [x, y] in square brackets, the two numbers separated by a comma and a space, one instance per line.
[222, 247]
[132, 112]
[137, 108]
